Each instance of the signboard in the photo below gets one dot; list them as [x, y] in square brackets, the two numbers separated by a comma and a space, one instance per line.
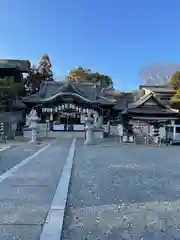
[78, 127]
[69, 114]
[57, 127]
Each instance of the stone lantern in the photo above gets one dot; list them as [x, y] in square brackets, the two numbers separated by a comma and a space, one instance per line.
[33, 120]
[89, 121]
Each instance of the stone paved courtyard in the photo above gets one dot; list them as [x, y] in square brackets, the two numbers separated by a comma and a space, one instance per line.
[124, 192]
[15, 155]
[26, 196]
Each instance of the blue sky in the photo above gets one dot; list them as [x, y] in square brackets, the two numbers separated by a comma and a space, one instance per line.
[115, 37]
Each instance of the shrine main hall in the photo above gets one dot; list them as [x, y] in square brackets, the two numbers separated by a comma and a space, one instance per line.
[65, 104]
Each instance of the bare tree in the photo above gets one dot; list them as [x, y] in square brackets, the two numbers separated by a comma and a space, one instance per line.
[158, 73]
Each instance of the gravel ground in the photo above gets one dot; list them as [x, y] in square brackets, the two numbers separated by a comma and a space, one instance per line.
[15, 154]
[124, 192]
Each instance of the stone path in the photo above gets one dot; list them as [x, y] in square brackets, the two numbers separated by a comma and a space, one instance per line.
[124, 192]
[26, 196]
[15, 154]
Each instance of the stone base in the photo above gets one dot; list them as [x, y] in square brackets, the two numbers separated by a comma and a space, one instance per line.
[89, 137]
[87, 143]
[98, 134]
[93, 136]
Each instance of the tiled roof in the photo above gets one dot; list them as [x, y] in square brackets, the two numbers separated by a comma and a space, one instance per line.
[141, 107]
[18, 104]
[51, 90]
[11, 117]
[162, 90]
[33, 98]
[123, 101]
[22, 65]
[144, 99]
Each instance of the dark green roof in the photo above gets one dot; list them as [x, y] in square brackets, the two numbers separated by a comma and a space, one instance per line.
[51, 90]
[8, 65]
[21, 65]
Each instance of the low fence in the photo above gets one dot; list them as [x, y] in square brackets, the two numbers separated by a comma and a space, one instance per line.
[54, 134]
[148, 140]
[7, 131]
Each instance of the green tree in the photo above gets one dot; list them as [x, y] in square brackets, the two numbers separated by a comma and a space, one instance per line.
[33, 80]
[175, 81]
[79, 74]
[37, 75]
[174, 84]
[10, 91]
[44, 68]
[82, 75]
[175, 101]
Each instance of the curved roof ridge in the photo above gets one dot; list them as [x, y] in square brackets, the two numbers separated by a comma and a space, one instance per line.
[74, 85]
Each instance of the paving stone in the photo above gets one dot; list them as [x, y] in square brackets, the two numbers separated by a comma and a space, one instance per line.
[9, 232]
[15, 155]
[24, 205]
[25, 197]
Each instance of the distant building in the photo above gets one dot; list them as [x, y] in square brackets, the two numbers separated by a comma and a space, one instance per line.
[22, 65]
[12, 109]
[162, 92]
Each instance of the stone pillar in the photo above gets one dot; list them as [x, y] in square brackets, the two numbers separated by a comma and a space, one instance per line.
[120, 132]
[89, 130]
[47, 128]
[89, 137]
[34, 135]
[51, 121]
[107, 130]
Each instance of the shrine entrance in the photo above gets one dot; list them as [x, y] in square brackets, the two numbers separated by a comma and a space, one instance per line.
[66, 117]
[69, 120]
